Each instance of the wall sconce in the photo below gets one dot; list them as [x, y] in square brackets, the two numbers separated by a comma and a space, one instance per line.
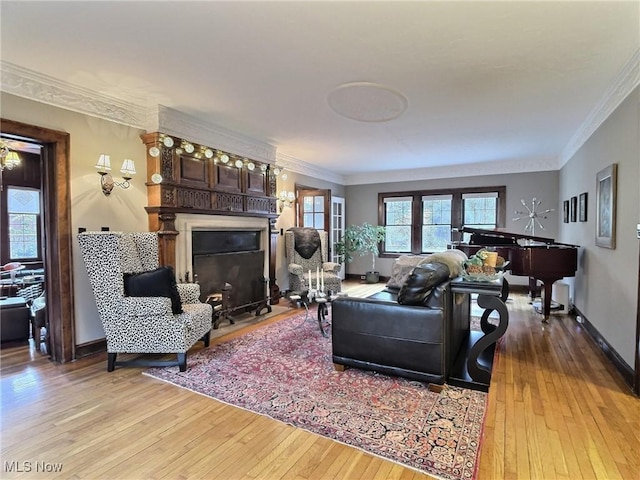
[107, 182]
[286, 199]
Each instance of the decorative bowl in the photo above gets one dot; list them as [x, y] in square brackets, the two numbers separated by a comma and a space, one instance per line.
[482, 277]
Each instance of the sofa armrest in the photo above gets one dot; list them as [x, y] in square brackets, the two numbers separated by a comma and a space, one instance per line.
[395, 339]
[371, 316]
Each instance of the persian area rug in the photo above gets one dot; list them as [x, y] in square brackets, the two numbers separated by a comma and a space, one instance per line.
[284, 370]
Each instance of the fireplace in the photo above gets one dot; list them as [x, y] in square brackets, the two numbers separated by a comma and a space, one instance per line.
[225, 254]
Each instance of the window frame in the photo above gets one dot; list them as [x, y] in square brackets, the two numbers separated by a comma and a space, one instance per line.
[38, 221]
[457, 213]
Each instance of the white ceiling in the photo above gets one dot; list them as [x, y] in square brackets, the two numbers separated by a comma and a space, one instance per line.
[507, 82]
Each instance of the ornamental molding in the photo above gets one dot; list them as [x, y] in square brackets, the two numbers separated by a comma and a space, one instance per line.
[623, 85]
[35, 86]
[41, 88]
[295, 165]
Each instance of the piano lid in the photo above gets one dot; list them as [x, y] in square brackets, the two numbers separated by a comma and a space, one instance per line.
[505, 238]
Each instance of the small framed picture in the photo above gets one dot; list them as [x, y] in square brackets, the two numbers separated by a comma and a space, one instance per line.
[582, 207]
[606, 193]
[565, 210]
[573, 209]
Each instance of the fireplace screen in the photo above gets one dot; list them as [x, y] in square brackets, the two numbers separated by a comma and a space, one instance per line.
[244, 271]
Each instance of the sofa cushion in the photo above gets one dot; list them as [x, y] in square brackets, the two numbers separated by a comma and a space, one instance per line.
[401, 269]
[421, 281]
[160, 282]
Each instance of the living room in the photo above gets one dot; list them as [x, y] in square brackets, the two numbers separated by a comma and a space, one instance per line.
[604, 290]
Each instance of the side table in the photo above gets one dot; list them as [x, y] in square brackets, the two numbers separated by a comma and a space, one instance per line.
[473, 365]
[307, 297]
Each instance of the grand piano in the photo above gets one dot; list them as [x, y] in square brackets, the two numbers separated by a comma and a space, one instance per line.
[538, 258]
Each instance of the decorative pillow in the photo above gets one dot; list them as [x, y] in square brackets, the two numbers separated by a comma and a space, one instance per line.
[160, 282]
[421, 281]
[401, 269]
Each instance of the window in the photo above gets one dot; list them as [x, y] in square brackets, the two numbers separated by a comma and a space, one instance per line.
[480, 211]
[436, 222]
[423, 221]
[314, 207]
[23, 208]
[398, 224]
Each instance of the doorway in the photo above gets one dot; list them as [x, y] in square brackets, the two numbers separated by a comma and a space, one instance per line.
[337, 230]
[317, 208]
[56, 202]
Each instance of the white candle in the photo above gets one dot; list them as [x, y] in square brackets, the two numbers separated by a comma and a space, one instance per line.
[322, 288]
[317, 278]
[310, 281]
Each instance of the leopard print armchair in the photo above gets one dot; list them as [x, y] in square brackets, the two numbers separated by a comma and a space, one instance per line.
[140, 325]
[309, 254]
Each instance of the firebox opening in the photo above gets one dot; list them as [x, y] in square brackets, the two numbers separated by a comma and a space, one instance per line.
[230, 257]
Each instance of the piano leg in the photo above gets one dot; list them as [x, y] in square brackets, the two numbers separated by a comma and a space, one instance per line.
[546, 307]
[533, 289]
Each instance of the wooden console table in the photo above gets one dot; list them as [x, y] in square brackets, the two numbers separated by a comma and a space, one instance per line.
[473, 365]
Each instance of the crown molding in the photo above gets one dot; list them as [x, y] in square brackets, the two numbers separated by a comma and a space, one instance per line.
[173, 122]
[41, 88]
[496, 167]
[32, 85]
[623, 85]
[295, 165]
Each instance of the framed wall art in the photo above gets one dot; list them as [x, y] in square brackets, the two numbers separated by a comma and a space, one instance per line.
[606, 193]
[582, 207]
[565, 211]
[574, 208]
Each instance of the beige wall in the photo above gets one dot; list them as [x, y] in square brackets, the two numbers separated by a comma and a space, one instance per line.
[123, 210]
[606, 287]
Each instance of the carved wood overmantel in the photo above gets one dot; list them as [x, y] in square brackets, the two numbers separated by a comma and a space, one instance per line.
[185, 177]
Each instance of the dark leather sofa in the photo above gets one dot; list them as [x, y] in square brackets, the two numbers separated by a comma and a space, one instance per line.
[417, 342]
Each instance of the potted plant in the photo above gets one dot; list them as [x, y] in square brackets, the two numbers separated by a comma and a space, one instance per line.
[362, 239]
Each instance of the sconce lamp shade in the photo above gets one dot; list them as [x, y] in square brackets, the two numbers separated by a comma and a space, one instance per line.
[107, 182]
[104, 163]
[286, 199]
[128, 168]
[287, 196]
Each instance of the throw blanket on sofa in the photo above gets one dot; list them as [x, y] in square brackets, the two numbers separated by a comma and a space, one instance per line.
[403, 265]
[306, 241]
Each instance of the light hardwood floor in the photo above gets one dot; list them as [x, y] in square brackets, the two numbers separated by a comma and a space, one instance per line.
[556, 409]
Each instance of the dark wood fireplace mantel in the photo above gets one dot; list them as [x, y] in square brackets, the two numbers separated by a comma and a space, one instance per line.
[203, 180]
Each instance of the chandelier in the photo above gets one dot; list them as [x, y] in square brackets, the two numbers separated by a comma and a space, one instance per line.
[9, 159]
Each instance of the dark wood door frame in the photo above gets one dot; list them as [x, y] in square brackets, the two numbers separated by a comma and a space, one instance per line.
[57, 232]
[301, 190]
